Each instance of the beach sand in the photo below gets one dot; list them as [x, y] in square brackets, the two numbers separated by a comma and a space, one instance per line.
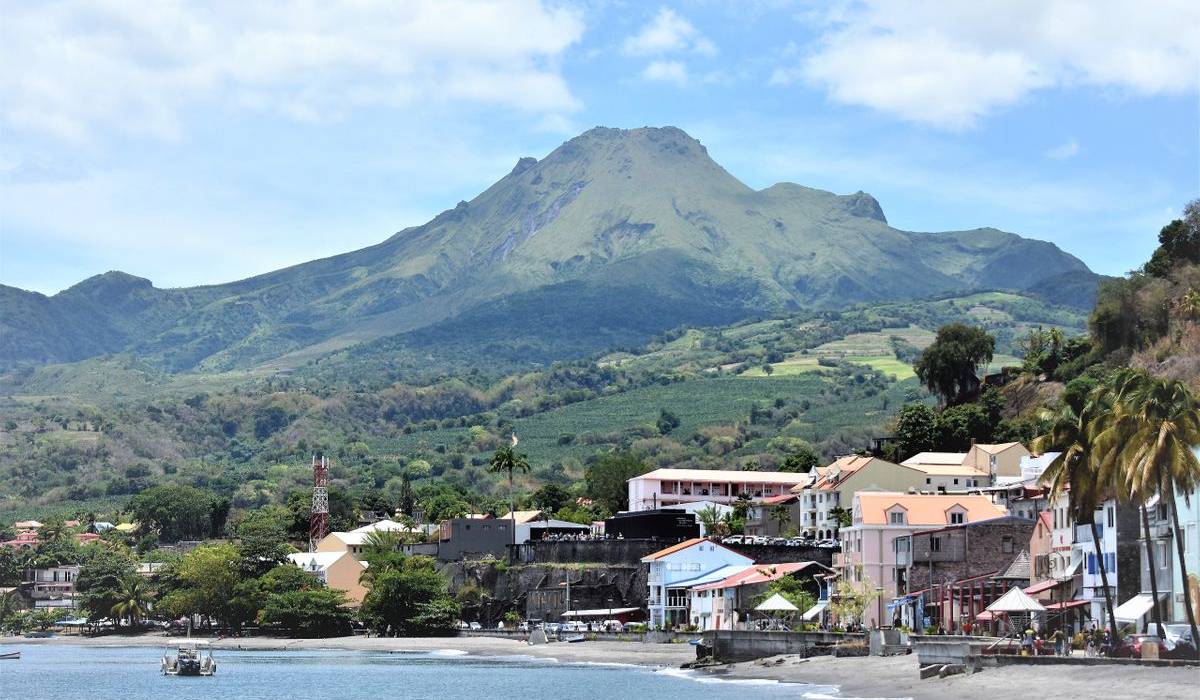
[870, 677]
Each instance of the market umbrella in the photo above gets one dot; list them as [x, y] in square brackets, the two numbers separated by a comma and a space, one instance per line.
[776, 603]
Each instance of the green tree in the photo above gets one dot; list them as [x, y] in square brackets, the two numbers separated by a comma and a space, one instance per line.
[666, 422]
[407, 596]
[606, 479]
[551, 498]
[133, 600]
[208, 579]
[309, 612]
[262, 540]
[1178, 242]
[1072, 432]
[802, 459]
[101, 584]
[916, 430]
[178, 512]
[949, 367]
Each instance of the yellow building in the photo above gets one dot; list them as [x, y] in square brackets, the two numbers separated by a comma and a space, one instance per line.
[337, 570]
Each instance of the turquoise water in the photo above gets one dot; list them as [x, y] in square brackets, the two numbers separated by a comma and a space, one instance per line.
[53, 672]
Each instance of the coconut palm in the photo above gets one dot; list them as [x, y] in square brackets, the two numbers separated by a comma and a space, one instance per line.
[1076, 470]
[133, 600]
[1157, 428]
[506, 459]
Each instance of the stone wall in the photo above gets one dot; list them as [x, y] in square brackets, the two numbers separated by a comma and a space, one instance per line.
[732, 646]
[968, 551]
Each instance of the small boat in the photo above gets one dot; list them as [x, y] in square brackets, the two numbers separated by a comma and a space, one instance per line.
[10, 656]
[575, 639]
[189, 660]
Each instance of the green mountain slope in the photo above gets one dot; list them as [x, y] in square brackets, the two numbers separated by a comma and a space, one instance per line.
[643, 216]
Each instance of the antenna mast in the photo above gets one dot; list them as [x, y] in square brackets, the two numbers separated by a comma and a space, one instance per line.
[318, 520]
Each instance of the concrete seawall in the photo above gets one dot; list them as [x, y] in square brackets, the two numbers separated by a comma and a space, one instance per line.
[732, 646]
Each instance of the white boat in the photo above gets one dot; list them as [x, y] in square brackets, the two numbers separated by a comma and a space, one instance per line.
[190, 660]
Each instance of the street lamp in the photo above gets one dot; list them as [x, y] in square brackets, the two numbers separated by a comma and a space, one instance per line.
[879, 607]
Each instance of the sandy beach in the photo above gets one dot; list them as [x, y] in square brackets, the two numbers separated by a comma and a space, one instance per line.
[891, 677]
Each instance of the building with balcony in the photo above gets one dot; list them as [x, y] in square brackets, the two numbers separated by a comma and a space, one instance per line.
[952, 553]
[835, 485]
[869, 553]
[670, 487]
[726, 604]
[675, 570]
[53, 586]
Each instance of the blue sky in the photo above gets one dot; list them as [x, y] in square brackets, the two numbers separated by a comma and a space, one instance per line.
[196, 144]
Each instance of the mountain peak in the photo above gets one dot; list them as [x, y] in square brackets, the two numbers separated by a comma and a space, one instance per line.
[108, 285]
[862, 204]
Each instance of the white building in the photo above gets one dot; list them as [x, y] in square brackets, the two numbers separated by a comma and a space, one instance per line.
[677, 568]
[671, 487]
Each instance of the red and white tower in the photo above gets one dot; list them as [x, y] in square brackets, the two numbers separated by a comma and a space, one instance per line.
[318, 520]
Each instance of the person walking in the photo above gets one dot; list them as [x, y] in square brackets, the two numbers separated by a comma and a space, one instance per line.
[1057, 637]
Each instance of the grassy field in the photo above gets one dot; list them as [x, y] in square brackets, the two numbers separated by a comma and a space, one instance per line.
[707, 401]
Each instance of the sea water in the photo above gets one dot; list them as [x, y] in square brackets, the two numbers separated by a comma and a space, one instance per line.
[51, 672]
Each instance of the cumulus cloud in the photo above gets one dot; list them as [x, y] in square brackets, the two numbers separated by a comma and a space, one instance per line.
[73, 66]
[949, 65]
[1064, 151]
[666, 72]
[668, 32]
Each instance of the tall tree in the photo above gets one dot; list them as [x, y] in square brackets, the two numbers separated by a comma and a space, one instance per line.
[950, 366]
[1157, 428]
[133, 600]
[1076, 471]
[506, 460]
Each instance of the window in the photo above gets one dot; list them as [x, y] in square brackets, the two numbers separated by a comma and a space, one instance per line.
[1162, 554]
[1110, 516]
[1006, 544]
[1091, 564]
[956, 518]
[896, 517]
[928, 481]
[935, 544]
[956, 482]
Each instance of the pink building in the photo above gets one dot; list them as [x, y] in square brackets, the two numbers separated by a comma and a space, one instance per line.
[869, 558]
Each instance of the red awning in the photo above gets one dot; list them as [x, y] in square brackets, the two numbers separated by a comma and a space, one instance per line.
[1067, 604]
[1043, 586]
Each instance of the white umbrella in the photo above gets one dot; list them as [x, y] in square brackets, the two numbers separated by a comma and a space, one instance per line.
[1016, 601]
[776, 603]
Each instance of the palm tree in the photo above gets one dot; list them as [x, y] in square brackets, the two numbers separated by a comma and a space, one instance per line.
[1158, 427]
[781, 515]
[1075, 471]
[506, 459]
[133, 600]
[714, 524]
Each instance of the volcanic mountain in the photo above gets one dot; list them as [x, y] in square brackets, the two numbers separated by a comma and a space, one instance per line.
[613, 236]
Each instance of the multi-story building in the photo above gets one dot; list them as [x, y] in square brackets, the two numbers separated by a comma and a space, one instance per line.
[1189, 522]
[53, 586]
[868, 556]
[726, 604]
[337, 570]
[835, 484]
[674, 570]
[668, 487]
[958, 552]
[1117, 526]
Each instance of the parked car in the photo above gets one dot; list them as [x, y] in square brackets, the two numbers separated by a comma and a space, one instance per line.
[524, 626]
[1131, 646]
[476, 626]
[734, 539]
[1178, 643]
[552, 628]
[463, 626]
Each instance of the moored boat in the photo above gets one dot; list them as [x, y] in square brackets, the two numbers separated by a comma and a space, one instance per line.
[10, 656]
[189, 660]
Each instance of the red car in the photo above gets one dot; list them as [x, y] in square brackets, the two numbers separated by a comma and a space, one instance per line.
[1131, 647]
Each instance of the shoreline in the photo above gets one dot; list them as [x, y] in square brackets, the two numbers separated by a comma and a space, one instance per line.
[858, 677]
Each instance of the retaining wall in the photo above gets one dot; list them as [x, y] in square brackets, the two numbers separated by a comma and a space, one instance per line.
[731, 646]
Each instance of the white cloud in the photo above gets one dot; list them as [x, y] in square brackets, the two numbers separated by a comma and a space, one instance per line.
[1064, 151]
[950, 65]
[666, 72]
[667, 33]
[140, 67]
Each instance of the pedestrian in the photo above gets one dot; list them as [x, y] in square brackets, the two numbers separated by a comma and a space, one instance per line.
[1058, 637]
[1027, 643]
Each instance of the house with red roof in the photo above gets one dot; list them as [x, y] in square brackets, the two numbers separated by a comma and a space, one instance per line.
[727, 603]
[675, 570]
